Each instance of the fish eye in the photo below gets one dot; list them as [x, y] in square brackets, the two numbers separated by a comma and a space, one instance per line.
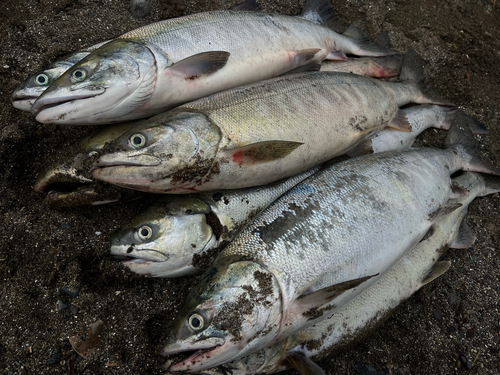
[145, 232]
[42, 79]
[196, 322]
[138, 140]
[79, 75]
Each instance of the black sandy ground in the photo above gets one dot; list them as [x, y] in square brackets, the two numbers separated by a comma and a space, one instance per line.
[43, 251]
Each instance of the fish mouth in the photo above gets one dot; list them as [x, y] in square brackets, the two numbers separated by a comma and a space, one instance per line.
[142, 160]
[43, 104]
[147, 257]
[195, 356]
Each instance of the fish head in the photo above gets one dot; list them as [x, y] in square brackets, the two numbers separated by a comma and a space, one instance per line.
[28, 91]
[235, 310]
[104, 87]
[172, 149]
[164, 238]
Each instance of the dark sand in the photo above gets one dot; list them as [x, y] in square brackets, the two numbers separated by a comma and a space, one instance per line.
[44, 250]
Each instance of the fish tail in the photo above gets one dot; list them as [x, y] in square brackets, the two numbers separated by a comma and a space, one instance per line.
[318, 11]
[492, 185]
[460, 133]
[412, 71]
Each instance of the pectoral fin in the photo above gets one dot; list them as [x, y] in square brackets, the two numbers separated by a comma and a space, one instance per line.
[444, 210]
[262, 152]
[303, 364]
[201, 64]
[309, 306]
[305, 56]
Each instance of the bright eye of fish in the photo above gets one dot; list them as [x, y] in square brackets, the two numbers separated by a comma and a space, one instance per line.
[79, 75]
[138, 140]
[145, 232]
[196, 322]
[42, 79]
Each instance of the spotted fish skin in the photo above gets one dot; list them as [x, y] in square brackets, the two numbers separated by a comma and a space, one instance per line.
[364, 313]
[344, 227]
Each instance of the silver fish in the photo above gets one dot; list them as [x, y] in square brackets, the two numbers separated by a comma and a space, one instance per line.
[159, 66]
[182, 235]
[361, 315]
[343, 227]
[257, 133]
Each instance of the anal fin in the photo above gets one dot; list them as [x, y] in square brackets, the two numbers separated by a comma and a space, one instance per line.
[437, 270]
[312, 67]
[465, 236]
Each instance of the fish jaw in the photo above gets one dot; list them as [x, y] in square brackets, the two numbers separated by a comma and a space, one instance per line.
[238, 304]
[106, 86]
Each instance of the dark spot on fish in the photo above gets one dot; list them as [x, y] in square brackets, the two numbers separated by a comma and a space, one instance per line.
[189, 211]
[191, 78]
[226, 200]
[214, 222]
[193, 246]
[217, 197]
[130, 249]
[285, 223]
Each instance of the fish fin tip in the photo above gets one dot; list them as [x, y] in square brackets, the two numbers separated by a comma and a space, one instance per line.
[400, 122]
[303, 364]
[460, 134]
[318, 11]
[201, 64]
[465, 237]
[363, 148]
[247, 5]
[262, 152]
[444, 210]
[311, 67]
[366, 46]
[437, 270]
[336, 56]
[412, 70]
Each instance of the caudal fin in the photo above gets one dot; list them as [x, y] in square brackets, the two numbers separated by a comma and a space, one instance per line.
[413, 70]
[460, 133]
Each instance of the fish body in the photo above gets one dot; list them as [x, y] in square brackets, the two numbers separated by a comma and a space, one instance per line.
[159, 66]
[181, 235]
[255, 134]
[344, 227]
[364, 313]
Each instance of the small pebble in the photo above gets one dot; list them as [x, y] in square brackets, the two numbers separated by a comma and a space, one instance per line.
[60, 305]
[437, 315]
[71, 292]
[450, 329]
[465, 362]
[140, 8]
[453, 298]
[73, 309]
